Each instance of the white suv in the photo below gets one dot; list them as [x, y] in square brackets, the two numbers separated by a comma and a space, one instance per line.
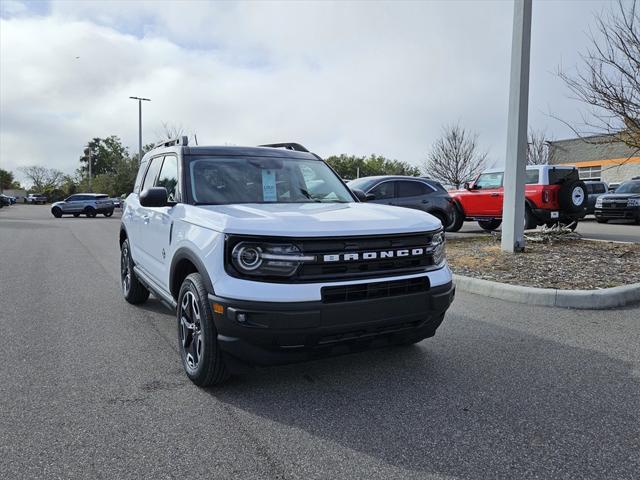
[267, 257]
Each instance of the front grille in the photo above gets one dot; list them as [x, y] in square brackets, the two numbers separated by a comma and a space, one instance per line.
[320, 270]
[366, 291]
[615, 212]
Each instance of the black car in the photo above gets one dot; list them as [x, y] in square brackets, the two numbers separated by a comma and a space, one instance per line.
[594, 190]
[412, 192]
[5, 200]
[624, 203]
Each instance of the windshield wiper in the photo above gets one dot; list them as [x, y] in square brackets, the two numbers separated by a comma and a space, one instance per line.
[308, 195]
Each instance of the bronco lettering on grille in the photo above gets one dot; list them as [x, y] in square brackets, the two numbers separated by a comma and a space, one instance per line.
[348, 257]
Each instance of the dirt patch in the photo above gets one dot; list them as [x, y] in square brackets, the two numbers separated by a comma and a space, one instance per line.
[569, 264]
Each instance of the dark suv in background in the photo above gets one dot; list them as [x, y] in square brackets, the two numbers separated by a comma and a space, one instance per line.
[624, 203]
[411, 192]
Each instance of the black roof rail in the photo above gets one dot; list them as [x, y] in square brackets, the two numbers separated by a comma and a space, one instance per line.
[182, 140]
[289, 146]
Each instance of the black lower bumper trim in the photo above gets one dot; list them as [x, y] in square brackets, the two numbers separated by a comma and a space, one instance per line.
[268, 333]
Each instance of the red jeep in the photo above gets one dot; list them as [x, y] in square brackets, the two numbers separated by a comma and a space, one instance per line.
[553, 194]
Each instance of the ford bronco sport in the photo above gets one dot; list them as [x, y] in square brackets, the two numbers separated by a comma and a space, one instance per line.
[553, 194]
[267, 257]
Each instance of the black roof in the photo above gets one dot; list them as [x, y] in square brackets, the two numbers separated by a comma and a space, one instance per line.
[248, 152]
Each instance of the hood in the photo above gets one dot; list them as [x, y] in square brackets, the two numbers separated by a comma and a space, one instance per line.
[618, 196]
[312, 219]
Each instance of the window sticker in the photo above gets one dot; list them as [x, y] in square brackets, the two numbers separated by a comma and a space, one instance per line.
[269, 193]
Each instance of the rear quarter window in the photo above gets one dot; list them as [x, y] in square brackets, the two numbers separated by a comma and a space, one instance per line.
[562, 175]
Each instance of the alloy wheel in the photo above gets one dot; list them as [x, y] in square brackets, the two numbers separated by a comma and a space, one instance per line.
[190, 327]
[125, 270]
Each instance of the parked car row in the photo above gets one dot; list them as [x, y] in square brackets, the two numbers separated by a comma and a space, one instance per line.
[6, 200]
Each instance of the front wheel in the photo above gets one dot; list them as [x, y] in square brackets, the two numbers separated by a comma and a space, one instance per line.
[489, 225]
[57, 212]
[197, 334]
[457, 221]
[133, 291]
[90, 212]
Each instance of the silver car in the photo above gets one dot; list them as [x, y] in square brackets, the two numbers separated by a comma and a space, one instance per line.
[89, 204]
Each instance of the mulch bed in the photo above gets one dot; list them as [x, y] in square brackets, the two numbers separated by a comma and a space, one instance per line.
[563, 264]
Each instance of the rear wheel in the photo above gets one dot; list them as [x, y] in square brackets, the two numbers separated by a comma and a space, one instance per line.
[90, 212]
[199, 349]
[489, 225]
[457, 220]
[529, 220]
[57, 212]
[132, 290]
[441, 217]
[108, 214]
[602, 220]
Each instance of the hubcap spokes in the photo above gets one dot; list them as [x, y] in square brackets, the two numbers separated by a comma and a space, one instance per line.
[190, 330]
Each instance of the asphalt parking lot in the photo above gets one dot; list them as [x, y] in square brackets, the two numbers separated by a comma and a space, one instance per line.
[92, 387]
[615, 230]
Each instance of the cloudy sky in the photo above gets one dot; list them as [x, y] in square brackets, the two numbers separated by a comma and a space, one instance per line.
[347, 77]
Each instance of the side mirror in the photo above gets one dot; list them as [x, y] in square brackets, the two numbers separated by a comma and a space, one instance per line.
[360, 195]
[467, 186]
[154, 197]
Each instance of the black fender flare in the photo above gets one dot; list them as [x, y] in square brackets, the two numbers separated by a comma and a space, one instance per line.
[184, 253]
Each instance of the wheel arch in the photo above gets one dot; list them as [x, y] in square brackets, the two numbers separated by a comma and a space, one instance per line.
[184, 263]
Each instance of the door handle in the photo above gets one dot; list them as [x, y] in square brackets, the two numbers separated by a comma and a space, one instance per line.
[495, 194]
[425, 201]
[145, 219]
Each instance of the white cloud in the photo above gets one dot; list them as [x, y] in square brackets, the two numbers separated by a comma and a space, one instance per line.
[338, 77]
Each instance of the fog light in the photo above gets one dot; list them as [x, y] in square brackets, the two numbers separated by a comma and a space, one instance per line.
[241, 317]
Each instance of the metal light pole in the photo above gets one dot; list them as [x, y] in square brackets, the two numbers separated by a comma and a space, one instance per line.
[140, 100]
[87, 153]
[516, 160]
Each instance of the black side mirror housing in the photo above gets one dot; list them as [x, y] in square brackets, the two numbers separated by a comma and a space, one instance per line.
[154, 197]
[360, 195]
[466, 186]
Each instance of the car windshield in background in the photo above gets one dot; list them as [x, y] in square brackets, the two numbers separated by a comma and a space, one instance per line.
[219, 181]
[629, 187]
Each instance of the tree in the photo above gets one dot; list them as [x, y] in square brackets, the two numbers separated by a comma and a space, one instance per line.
[538, 148]
[609, 82]
[454, 158]
[105, 155]
[7, 180]
[43, 179]
[351, 166]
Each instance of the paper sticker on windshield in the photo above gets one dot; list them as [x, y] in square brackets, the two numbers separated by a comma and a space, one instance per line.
[269, 193]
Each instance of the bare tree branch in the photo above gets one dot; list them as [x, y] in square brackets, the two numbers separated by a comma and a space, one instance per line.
[538, 148]
[454, 157]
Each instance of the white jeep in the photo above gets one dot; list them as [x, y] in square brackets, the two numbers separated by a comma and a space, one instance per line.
[267, 257]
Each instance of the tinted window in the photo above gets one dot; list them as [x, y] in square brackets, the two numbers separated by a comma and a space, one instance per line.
[363, 183]
[413, 189]
[562, 175]
[489, 180]
[531, 177]
[629, 187]
[383, 190]
[72, 198]
[169, 177]
[141, 170]
[599, 188]
[156, 163]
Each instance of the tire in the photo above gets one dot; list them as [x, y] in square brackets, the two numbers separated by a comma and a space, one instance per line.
[573, 196]
[489, 225]
[197, 335]
[76, 215]
[530, 221]
[57, 212]
[108, 214]
[90, 212]
[457, 222]
[133, 291]
[602, 220]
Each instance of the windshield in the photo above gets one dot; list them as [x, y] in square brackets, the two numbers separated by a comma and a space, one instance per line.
[218, 181]
[629, 187]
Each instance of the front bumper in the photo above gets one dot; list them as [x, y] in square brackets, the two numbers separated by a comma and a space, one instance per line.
[632, 213]
[269, 333]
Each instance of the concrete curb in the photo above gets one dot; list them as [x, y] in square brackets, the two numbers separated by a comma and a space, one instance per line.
[551, 297]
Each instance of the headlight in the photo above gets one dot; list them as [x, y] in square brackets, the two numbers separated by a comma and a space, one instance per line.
[437, 248]
[598, 202]
[633, 202]
[267, 259]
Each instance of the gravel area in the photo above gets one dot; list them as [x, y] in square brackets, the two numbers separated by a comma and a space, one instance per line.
[566, 264]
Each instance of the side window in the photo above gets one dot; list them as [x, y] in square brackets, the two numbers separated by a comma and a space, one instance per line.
[531, 177]
[383, 190]
[169, 177]
[141, 170]
[489, 180]
[150, 178]
[600, 188]
[72, 198]
[410, 188]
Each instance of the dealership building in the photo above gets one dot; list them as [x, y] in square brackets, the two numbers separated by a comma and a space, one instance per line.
[597, 158]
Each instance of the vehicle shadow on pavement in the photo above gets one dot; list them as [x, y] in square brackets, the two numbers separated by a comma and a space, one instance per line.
[468, 403]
